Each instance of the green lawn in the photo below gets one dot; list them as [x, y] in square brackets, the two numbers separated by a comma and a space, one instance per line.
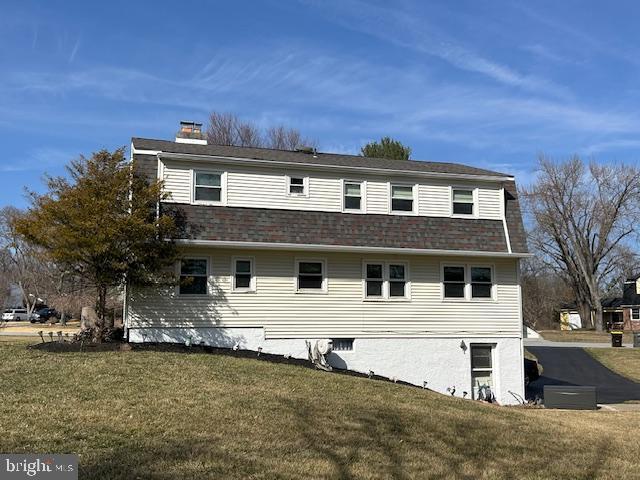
[625, 361]
[162, 415]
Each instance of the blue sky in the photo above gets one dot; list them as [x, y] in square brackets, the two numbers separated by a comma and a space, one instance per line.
[490, 84]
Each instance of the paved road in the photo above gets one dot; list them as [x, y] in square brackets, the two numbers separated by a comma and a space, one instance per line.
[540, 342]
[574, 366]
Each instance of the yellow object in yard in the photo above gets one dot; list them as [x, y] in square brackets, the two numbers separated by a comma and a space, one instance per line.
[564, 321]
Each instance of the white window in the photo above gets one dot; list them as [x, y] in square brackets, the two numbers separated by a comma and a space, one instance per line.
[482, 372]
[352, 198]
[342, 344]
[311, 276]
[463, 201]
[297, 186]
[635, 313]
[207, 187]
[243, 277]
[401, 198]
[386, 280]
[193, 276]
[467, 282]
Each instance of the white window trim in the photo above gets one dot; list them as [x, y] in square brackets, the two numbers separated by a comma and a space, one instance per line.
[252, 286]
[636, 310]
[363, 196]
[179, 271]
[467, 283]
[305, 186]
[414, 193]
[476, 209]
[493, 369]
[386, 286]
[314, 291]
[223, 187]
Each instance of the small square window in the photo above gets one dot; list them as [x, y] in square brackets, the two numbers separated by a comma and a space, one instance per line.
[297, 186]
[342, 344]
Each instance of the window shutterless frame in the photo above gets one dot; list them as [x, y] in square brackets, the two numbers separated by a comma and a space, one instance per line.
[243, 278]
[635, 314]
[208, 187]
[402, 198]
[482, 369]
[385, 281]
[468, 282]
[354, 196]
[193, 273]
[464, 201]
[297, 185]
[310, 275]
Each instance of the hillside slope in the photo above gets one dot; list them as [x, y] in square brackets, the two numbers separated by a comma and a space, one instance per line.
[146, 414]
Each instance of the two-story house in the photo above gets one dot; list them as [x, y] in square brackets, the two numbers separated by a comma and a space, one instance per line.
[411, 268]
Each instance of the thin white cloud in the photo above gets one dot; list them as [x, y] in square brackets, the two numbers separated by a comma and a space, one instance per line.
[74, 51]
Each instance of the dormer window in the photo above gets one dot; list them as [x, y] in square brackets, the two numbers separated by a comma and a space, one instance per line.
[463, 203]
[401, 198]
[207, 187]
[297, 186]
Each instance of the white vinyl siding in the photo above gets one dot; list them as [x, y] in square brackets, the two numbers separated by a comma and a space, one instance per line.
[267, 188]
[340, 313]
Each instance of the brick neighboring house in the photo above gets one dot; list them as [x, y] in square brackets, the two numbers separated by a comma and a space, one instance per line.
[409, 268]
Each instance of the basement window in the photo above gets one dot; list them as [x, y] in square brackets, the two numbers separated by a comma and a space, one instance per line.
[193, 276]
[342, 344]
[481, 371]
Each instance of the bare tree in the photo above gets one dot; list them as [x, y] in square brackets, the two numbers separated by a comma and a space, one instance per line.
[584, 219]
[22, 262]
[228, 129]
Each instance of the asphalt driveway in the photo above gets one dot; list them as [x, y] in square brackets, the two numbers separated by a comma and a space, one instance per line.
[574, 366]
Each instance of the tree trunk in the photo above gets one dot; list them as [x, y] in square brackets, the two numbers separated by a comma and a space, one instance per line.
[101, 311]
[599, 324]
[584, 309]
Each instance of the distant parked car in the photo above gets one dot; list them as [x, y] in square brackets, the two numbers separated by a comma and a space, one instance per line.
[45, 315]
[14, 314]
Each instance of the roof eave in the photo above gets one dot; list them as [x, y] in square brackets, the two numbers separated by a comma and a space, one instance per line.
[347, 248]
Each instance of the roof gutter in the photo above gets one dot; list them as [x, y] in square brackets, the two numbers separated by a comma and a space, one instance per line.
[315, 166]
[346, 248]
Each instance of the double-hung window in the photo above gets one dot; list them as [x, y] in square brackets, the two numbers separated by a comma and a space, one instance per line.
[401, 198]
[352, 201]
[635, 314]
[463, 203]
[310, 276]
[386, 280]
[297, 186]
[467, 282]
[482, 371]
[193, 276]
[207, 187]
[243, 275]
[454, 281]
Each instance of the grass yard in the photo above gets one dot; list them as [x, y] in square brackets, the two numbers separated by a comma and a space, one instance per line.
[581, 336]
[168, 415]
[625, 361]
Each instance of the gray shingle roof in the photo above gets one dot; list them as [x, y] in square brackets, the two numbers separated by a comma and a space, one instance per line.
[268, 225]
[321, 159]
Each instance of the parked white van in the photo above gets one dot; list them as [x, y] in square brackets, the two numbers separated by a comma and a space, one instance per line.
[14, 314]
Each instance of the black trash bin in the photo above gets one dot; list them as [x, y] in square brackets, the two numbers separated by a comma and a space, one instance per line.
[616, 338]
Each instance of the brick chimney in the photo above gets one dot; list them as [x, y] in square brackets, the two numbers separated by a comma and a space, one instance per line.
[190, 132]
